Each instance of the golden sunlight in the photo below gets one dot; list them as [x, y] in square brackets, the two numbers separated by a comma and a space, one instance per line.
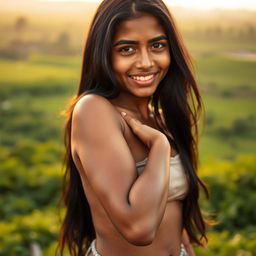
[200, 4]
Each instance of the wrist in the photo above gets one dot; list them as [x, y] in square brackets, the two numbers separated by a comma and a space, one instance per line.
[161, 143]
[160, 139]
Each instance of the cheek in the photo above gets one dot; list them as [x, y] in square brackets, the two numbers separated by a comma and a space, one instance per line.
[165, 61]
[120, 65]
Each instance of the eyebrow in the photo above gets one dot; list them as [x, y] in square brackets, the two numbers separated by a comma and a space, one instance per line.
[155, 39]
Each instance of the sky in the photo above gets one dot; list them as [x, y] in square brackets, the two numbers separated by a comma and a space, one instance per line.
[202, 4]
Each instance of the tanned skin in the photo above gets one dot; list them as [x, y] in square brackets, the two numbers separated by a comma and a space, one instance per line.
[131, 214]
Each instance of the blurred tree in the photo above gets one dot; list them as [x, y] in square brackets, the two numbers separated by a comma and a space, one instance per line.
[21, 24]
[231, 32]
[218, 31]
[251, 31]
[63, 40]
[62, 45]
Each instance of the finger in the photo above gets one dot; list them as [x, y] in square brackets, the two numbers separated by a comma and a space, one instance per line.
[130, 120]
[137, 127]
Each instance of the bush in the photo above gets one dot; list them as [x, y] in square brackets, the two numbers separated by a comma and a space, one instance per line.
[225, 244]
[14, 54]
[240, 127]
[30, 178]
[233, 186]
[39, 226]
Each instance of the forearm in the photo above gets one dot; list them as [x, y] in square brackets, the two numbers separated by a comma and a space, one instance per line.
[149, 192]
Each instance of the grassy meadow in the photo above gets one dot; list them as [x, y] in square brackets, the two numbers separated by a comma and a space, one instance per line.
[40, 64]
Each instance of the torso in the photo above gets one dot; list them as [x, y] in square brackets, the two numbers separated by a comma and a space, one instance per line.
[108, 241]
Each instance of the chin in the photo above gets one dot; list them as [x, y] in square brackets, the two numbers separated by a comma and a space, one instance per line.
[146, 92]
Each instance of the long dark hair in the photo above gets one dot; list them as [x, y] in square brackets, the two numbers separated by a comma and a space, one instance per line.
[177, 95]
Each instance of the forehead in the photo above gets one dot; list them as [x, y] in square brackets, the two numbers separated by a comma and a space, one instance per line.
[144, 27]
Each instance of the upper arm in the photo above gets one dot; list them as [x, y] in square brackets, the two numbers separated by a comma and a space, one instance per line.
[107, 162]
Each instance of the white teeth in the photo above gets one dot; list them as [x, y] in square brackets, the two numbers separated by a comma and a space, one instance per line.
[142, 78]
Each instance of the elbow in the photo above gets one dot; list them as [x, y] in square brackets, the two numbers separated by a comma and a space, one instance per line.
[140, 236]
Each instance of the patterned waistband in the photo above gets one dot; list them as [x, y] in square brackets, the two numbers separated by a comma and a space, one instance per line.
[92, 249]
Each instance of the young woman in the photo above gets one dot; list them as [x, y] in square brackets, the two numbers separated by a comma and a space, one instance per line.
[131, 139]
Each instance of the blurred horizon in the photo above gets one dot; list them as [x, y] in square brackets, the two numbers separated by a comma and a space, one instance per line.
[60, 6]
[196, 4]
[82, 11]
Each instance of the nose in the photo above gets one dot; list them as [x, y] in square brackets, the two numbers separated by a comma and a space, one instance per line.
[144, 60]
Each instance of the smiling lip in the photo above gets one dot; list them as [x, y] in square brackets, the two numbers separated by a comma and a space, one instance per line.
[143, 79]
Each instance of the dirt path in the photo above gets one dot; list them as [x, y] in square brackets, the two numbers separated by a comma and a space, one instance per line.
[242, 55]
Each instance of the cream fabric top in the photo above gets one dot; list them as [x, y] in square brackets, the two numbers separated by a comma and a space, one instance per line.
[178, 186]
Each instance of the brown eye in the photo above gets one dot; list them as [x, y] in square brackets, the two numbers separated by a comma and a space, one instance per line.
[126, 50]
[158, 46]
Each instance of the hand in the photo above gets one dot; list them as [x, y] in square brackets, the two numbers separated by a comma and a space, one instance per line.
[146, 134]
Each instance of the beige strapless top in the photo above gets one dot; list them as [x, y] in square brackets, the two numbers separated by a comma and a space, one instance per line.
[178, 186]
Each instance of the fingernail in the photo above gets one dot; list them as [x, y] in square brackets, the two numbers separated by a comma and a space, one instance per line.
[123, 113]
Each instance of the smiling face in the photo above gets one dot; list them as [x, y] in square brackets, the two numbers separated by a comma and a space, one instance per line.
[140, 55]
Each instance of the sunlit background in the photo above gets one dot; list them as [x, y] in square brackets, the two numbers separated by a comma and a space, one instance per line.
[202, 4]
[40, 62]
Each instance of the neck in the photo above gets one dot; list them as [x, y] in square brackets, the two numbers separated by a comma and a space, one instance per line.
[138, 106]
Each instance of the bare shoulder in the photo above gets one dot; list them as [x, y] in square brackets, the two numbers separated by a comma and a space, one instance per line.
[92, 103]
[94, 120]
[96, 110]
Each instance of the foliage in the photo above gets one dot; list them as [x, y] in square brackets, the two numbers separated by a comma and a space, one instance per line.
[30, 188]
[225, 244]
[30, 178]
[232, 186]
[39, 226]
[243, 127]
